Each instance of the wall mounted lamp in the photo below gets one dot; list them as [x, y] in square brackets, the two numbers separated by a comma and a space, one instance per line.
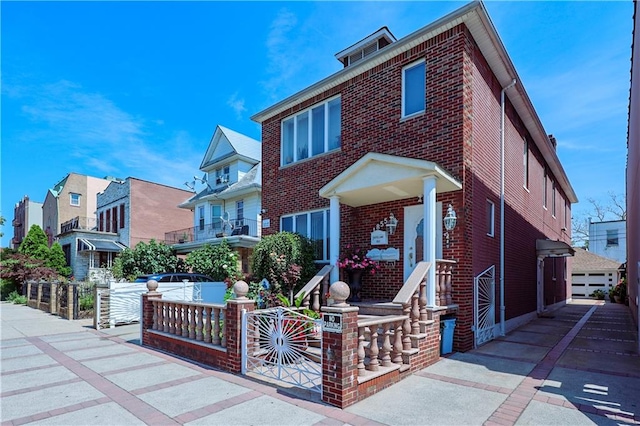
[450, 221]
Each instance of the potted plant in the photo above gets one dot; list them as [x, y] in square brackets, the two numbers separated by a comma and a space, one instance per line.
[355, 262]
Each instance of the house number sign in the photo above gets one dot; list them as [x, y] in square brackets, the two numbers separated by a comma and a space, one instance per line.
[332, 323]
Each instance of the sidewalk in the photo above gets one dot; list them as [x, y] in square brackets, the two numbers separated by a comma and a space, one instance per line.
[579, 367]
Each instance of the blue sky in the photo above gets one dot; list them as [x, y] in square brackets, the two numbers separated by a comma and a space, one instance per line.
[137, 88]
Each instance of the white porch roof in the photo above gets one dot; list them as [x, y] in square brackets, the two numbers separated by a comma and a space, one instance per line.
[378, 178]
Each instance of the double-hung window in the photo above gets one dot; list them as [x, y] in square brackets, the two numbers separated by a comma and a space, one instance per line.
[201, 218]
[216, 217]
[313, 225]
[311, 132]
[413, 89]
[490, 218]
[74, 199]
[525, 163]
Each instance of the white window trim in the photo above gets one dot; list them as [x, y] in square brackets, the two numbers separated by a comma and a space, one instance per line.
[307, 111]
[525, 164]
[325, 224]
[71, 194]
[402, 101]
[492, 232]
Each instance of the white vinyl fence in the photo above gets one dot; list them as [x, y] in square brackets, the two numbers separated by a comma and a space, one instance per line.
[119, 303]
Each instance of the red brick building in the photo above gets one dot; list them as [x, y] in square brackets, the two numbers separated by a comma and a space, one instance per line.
[410, 127]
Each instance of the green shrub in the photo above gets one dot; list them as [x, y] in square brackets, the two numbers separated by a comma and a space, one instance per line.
[86, 303]
[6, 287]
[16, 298]
[220, 262]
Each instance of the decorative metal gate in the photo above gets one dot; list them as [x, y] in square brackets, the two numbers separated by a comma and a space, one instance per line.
[282, 344]
[484, 300]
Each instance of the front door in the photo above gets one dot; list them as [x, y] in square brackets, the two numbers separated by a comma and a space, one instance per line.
[414, 234]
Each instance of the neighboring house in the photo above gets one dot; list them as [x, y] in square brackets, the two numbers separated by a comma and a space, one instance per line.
[609, 239]
[25, 214]
[229, 206]
[590, 272]
[127, 212]
[410, 127]
[73, 197]
[633, 176]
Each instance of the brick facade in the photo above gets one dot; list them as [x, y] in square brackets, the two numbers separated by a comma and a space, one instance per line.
[460, 131]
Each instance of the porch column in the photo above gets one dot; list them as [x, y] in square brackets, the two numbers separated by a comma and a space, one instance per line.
[334, 237]
[429, 240]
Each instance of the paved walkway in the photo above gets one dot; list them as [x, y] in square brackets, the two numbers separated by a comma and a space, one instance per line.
[579, 367]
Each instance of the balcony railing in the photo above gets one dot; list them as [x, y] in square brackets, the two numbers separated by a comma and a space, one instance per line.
[233, 227]
[81, 223]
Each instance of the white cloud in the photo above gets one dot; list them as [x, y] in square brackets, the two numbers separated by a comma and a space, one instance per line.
[96, 137]
[237, 105]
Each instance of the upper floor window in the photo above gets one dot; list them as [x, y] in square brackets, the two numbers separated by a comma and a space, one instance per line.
[490, 218]
[525, 163]
[413, 88]
[553, 198]
[222, 175]
[121, 216]
[311, 132]
[201, 218]
[239, 212]
[612, 237]
[544, 189]
[313, 225]
[216, 216]
[75, 199]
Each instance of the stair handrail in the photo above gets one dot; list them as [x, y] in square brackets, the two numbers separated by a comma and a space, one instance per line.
[311, 290]
[412, 284]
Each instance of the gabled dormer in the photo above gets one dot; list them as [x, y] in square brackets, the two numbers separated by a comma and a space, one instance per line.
[366, 47]
[229, 157]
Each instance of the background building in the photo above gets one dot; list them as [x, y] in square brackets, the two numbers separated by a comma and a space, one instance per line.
[25, 214]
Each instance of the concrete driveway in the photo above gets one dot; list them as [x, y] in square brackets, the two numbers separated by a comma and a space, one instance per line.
[578, 367]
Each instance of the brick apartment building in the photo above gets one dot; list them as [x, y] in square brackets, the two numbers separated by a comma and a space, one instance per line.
[410, 127]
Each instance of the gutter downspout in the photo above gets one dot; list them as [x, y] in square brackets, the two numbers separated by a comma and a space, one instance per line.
[502, 307]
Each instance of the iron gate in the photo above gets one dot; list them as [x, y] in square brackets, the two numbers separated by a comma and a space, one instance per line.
[484, 300]
[281, 344]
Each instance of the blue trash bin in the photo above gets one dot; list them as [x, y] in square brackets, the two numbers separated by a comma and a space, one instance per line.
[448, 325]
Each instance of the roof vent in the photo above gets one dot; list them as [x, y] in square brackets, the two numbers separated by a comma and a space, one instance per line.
[366, 47]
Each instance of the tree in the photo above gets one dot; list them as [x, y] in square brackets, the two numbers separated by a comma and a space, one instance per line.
[614, 209]
[58, 261]
[219, 262]
[146, 258]
[285, 259]
[35, 244]
[2, 220]
[18, 268]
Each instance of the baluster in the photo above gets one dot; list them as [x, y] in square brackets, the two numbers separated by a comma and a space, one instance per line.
[442, 281]
[172, 318]
[192, 322]
[325, 287]
[361, 352]
[199, 323]
[396, 355]
[155, 315]
[448, 285]
[207, 324]
[178, 319]
[216, 326]
[316, 299]
[165, 315]
[406, 327]
[373, 349]
[185, 320]
[385, 356]
[415, 314]
[424, 316]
